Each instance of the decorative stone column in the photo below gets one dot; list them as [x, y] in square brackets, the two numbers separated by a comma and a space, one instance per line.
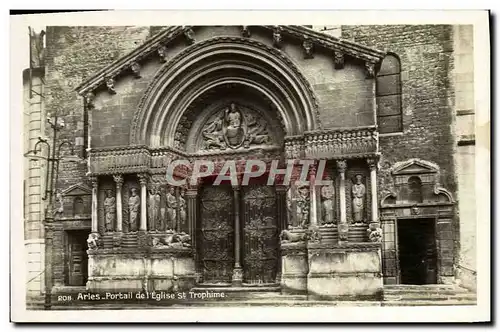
[343, 226]
[374, 230]
[237, 271]
[281, 207]
[143, 181]
[282, 214]
[142, 241]
[313, 205]
[117, 235]
[95, 216]
[119, 218]
[191, 197]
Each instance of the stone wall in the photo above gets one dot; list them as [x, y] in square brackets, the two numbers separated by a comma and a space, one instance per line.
[345, 96]
[34, 182]
[463, 77]
[72, 55]
[426, 55]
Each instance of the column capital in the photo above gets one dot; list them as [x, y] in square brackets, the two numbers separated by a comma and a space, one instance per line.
[282, 188]
[94, 180]
[191, 192]
[118, 178]
[341, 165]
[313, 169]
[143, 179]
[372, 163]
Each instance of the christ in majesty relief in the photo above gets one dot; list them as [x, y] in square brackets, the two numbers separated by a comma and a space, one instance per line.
[234, 131]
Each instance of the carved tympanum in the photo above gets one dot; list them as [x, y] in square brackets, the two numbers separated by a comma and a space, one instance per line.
[232, 128]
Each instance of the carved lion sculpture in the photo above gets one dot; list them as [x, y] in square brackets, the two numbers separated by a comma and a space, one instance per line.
[287, 236]
[313, 235]
[93, 241]
[176, 240]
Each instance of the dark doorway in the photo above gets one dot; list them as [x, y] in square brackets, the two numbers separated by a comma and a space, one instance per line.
[417, 251]
[76, 258]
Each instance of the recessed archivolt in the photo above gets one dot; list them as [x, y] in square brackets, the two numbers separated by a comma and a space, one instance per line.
[188, 75]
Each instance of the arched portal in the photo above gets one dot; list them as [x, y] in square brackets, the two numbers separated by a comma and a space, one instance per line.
[229, 98]
[216, 64]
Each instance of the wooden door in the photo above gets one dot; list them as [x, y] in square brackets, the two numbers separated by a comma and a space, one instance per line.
[260, 235]
[77, 258]
[216, 234]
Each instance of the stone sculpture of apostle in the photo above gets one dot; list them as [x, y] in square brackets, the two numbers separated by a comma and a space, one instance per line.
[358, 198]
[171, 202]
[109, 211]
[153, 209]
[134, 203]
[182, 207]
[327, 195]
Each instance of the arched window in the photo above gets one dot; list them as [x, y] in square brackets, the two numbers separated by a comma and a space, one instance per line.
[415, 188]
[389, 116]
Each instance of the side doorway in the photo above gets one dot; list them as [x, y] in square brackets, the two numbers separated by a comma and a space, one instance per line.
[76, 257]
[417, 254]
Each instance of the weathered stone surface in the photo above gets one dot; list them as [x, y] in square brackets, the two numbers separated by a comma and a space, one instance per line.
[344, 272]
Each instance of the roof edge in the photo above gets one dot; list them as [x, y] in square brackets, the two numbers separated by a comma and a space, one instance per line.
[356, 50]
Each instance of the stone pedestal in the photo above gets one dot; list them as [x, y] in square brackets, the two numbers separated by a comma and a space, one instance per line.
[294, 268]
[123, 269]
[350, 271]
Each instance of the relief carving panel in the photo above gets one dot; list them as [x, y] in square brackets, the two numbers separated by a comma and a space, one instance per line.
[234, 127]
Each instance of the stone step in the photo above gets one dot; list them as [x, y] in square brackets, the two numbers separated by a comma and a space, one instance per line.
[414, 303]
[428, 291]
[430, 297]
[421, 287]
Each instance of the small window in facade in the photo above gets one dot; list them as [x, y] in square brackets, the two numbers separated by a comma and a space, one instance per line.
[415, 189]
[389, 116]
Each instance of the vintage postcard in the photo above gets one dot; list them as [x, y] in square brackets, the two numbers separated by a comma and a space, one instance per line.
[321, 166]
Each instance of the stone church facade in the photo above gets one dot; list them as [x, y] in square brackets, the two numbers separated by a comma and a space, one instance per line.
[379, 104]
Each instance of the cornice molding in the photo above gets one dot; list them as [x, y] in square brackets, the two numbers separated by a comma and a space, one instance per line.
[157, 45]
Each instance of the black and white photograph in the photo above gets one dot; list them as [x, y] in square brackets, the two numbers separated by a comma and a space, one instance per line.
[334, 167]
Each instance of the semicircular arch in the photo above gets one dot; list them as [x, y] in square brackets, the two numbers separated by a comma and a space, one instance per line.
[216, 61]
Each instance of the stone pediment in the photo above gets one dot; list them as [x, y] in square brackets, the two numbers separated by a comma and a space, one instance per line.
[78, 189]
[414, 166]
[159, 44]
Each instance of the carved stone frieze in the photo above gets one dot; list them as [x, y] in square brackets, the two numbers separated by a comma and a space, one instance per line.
[231, 129]
[360, 142]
